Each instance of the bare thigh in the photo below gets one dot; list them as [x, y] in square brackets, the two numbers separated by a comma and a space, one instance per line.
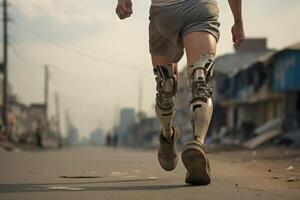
[197, 44]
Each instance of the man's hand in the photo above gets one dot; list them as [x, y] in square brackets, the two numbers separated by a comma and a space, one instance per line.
[238, 34]
[124, 8]
[237, 30]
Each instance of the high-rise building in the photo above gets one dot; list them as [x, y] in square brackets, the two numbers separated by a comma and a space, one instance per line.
[127, 119]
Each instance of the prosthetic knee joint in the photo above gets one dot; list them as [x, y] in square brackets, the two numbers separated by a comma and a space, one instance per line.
[166, 89]
[200, 80]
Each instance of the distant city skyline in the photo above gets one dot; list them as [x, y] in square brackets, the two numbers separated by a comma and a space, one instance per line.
[97, 61]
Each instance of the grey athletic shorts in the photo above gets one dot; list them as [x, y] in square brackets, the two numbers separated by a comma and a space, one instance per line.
[170, 24]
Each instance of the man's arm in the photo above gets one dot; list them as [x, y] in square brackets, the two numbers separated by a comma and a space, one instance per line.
[237, 30]
[124, 8]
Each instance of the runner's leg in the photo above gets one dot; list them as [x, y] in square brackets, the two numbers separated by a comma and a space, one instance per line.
[200, 51]
[166, 89]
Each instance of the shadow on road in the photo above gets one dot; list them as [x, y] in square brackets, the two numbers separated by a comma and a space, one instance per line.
[82, 186]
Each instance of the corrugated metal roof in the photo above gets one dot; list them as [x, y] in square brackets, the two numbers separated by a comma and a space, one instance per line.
[264, 58]
[234, 62]
[269, 55]
[295, 46]
[231, 64]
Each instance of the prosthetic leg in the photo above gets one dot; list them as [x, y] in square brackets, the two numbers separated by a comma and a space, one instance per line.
[201, 106]
[166, 87]
[194, 153]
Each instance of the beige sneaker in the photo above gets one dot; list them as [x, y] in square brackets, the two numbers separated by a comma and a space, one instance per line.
[167, 154]
[196, 162]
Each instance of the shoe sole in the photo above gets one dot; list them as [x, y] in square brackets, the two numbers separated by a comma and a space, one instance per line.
[195, 162]
[168, 165]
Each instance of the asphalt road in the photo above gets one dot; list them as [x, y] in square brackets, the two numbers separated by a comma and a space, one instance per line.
[99, 173]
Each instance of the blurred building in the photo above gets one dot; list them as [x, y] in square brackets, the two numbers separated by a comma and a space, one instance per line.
[263, 93]
[286, 81]
[147, 130]
[127, 118]
[127, 121]
[37, 115]
[97, 137]
[12, 99]
[136, 133]
[17, 119]
[225, 66]
[72, 138]
[25, 124]
[37, 123]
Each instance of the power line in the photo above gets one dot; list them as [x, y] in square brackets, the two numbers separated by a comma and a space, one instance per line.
[21, 58]
[78, 51]
[55, 38]
[17, 53]
[71, 98]
[56, 67]
[20, 19]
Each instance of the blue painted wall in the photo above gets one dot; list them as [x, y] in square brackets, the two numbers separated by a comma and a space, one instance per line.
[286, 75]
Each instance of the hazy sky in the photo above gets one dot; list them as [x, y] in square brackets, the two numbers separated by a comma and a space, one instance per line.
[96, 61]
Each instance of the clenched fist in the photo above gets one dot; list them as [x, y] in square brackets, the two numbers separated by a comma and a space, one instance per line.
[124, 8]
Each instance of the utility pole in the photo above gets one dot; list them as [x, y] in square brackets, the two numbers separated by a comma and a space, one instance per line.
[5, 43]
[140, 98]
[68, 122]
[57, 110]
[46, 94]
[116, 110]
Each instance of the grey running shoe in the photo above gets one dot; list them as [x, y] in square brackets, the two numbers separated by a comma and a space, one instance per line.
[167, 154]
[196, 162]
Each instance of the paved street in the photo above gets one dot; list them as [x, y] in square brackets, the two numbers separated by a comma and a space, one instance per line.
[99, 173]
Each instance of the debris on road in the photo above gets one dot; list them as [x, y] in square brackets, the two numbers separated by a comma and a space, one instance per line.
[7, 146]
[290, 168]
[262, 138]
[65, 188]
[291, 179]
[152, 178]
[118, 174]
[80, 177]
[131, 176]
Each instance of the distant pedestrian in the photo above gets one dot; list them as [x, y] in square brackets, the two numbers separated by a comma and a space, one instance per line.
[115, 140]
[38, 135]
[108, 140]
[192, 25]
